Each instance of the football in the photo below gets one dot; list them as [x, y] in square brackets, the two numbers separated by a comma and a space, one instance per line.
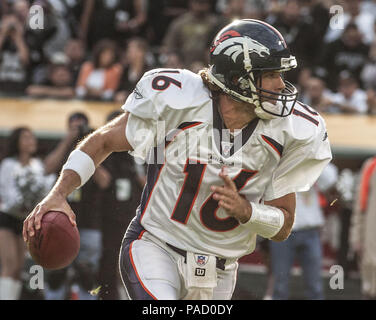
[57, 243]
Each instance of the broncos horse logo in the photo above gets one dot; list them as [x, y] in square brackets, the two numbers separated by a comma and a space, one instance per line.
[234, 46]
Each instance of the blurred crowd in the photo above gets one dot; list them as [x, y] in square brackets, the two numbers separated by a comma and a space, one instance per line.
[99, 49]
[104, 207]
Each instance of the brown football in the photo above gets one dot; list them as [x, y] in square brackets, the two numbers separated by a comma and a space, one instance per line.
[57, 243]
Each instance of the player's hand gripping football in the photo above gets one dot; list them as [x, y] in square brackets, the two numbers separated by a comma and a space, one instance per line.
[53, 201]
[229, 199]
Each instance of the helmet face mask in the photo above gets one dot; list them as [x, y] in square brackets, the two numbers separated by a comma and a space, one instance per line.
[241, 52]
[278, 104]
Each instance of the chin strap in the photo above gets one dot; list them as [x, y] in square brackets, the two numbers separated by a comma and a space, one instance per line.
[263, 114]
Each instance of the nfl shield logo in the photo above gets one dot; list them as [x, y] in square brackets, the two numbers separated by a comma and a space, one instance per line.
[201, 260]
[226, 147]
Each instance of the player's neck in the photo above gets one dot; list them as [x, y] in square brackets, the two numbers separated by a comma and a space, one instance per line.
[235, 115]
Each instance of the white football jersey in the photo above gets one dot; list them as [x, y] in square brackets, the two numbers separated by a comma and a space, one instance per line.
[174, 124]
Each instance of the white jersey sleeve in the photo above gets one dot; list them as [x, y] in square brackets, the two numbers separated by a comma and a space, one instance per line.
[161, 100]
[307, 152]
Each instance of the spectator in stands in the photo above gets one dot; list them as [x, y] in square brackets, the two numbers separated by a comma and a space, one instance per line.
[363, 224]
[350, 98]
[41, 42]
[347, 53]
[238, 9]
[99, 78]
[78, 127]
[14, 54]
[304, 242]
[189, 34]
[368, 74]
[22, 184]
[135, 65]
[58, 26]
[264, 247]
[172, 60]
[75, 51]
[371, 102]
[368, 77]
[318, 12]
[253, 9]
[116, 20]
[318, 96]
[71, 12]
[86, 203]
[299, 33]
[273, 8]
[345, 187]
[26, 50]
[304, 76]
[119, 204]
[160, 14]
[59, 83]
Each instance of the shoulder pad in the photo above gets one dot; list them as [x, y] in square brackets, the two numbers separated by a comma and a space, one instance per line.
[302, 126]
[306, 123]
[162, 89]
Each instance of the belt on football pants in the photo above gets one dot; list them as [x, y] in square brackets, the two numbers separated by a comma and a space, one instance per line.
[220, 261]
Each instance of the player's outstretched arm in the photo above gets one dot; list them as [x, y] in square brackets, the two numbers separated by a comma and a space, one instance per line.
[92, 151]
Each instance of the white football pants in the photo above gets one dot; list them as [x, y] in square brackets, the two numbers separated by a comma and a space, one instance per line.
[149, 270]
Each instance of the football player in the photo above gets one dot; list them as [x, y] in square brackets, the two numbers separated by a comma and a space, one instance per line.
[226, 149]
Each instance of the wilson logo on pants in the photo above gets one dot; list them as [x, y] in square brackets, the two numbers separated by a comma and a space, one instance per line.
[199, 272]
